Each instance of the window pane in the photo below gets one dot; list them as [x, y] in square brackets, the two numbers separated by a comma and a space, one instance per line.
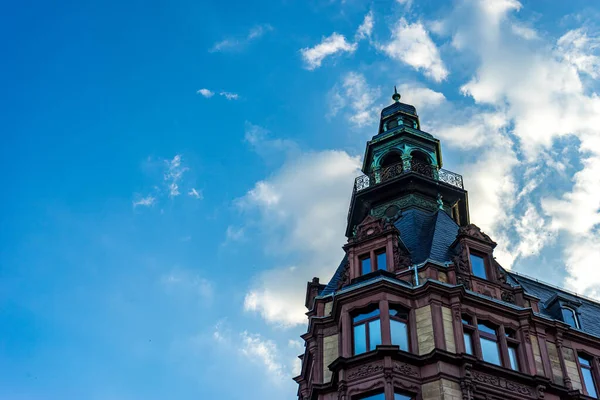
[398, 396]
[569, 317]
[374, 334]
[486, 328]
[362, 317]
[399, 334]
[365, 265]
[478, 266]
[381, 260]
[584, 361]
[589, 382]
[512, 355]
[468, 343]
[360, 339]
[489, 350]
[379, 396]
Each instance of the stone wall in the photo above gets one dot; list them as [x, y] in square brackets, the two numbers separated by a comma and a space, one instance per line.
[572, 370]
[557, 376]
[330, 353]
[424, 324]
[442, 389]
[448, 329]
[537, 356]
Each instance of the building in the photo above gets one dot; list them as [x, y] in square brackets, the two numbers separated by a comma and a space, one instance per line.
[420, 309]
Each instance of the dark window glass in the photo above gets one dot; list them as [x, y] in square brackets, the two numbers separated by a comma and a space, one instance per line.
[391, 124]
[466, 320]
[365, 265]
[478, 266]
[468, 343]
[378, 396]
[362, 317]
[490, 351]
[588, 378]
[399, 334]
[570, 317]
[381, 261]
[512, 356]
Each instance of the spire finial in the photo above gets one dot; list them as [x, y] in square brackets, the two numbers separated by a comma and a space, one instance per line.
[396, 95]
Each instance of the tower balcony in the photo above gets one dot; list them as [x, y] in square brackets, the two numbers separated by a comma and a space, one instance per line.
[391, 172]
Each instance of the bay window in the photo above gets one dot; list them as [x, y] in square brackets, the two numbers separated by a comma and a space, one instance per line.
[589, 385]
[399, 327]
[366, 328]
[488, 338]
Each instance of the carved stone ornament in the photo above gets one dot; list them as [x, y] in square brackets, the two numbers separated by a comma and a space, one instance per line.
[475, 232]
[368, 227]
[463, 280]
[508, 297]
[461, 259]
[503, 384]
[365, 370]
[402, 259]
[345, 278]
[405, 369]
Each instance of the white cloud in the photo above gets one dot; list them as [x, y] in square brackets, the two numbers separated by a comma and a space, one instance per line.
[197, 194]
[336, 43]
[534, 232]
[261, 142]
[420, 97]
[524, 31]
[411, 44]
[238, 44]
[358, 97]
[147, 201]
[229, 95]
[303, 211]
[581, 50]
[206, 93]
[234, 234]
[173, 175]
[264, 352]
[366, 28]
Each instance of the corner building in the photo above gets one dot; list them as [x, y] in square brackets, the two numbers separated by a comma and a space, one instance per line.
[420, 309]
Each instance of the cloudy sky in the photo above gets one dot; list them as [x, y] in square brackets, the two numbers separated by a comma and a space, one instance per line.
[174, 172]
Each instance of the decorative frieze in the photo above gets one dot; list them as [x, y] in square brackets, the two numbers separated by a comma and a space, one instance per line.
[405, 370]
[514, 387]
[364, 371]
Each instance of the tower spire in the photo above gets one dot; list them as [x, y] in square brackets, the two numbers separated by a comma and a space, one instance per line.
[396, 95]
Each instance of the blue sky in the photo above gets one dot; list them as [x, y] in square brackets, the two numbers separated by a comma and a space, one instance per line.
[175, 172]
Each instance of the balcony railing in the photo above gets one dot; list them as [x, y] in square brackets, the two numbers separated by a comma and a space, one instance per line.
[385, 174]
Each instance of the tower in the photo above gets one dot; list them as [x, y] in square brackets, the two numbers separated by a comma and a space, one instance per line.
[419, 308]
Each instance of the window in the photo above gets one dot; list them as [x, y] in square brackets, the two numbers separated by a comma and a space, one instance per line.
[398, 396]
[490, 350]
[378, 396]
[399, 327]
[513, 347]
[468, 329]
[381, 260]
[365, 265]
[570, 317]
[368, 265]
[478, 266]
[588, 378]
[367, 331]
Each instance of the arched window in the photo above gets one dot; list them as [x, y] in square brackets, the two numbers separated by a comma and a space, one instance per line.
[421, 164]
[391, 158]
[569, 316]
[399, 327]
[366, 328]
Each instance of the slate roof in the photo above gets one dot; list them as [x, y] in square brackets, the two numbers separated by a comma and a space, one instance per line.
[407, 108]
[429, 235]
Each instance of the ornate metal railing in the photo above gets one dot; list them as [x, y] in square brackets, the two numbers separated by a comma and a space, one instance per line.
[415, 166]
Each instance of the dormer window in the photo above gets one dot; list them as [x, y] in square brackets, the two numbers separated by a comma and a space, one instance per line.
[373, 261]
[478, 266]
[569, 316]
